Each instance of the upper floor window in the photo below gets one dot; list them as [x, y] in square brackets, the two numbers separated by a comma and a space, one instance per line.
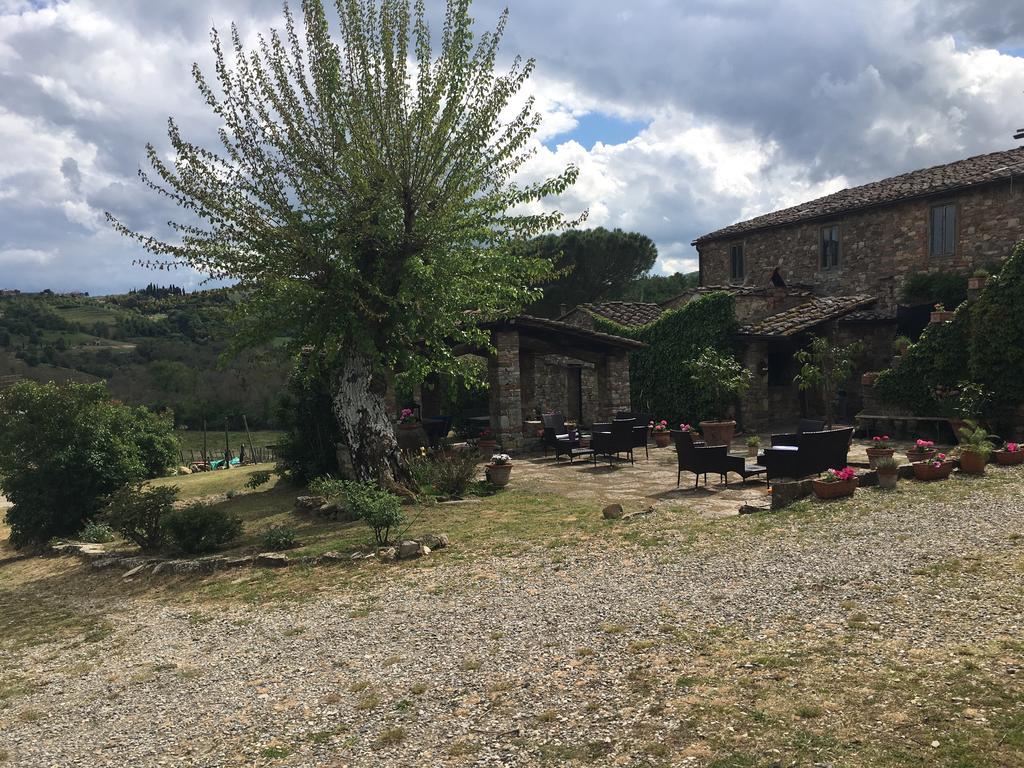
[943, 230]
[830, 247]
[736, 260]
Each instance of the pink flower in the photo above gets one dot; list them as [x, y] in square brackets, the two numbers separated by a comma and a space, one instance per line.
[685, 427]
[1012, 447]
[925, 444]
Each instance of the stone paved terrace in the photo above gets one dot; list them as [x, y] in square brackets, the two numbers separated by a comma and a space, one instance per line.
[653, 480]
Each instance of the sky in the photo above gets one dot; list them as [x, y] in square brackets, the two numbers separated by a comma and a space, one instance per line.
[683, 116]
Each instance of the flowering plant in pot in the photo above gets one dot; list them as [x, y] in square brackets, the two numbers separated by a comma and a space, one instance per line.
[1011, 453]
[938, 468]
[835, 483]
[753, 445]
[486, 441]
[975, 448]
[408, 419]
[881, 447]
[499, 470]
[662, 436]
[722, 379]
[888, 472]
[923, 450]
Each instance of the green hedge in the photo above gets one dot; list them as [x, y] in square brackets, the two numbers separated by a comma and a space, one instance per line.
[660, 374]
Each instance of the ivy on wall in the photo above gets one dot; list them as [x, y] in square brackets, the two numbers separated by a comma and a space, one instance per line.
[983, 344]
[660, 379]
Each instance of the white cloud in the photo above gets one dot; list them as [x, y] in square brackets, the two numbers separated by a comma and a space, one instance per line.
[25, 256]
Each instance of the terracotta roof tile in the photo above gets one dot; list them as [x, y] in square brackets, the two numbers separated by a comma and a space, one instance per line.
[629, 313]
[928, 181]
[806, 316]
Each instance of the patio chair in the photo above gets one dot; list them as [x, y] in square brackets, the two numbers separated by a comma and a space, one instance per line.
[640, 432]
[811, 453]
[556, 435]
[701, 459]
[614, 439]
[805, 425]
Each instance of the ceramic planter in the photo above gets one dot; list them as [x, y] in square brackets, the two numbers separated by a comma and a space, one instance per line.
[888, 480]
[973, 463]
[940, 317]
[499, 474]
[874, 454]
[928, 472]
[718, 432]
[752, 451]
[834, 490]
[662, 439]
[1008, 459]
[411, 437]
[976, 283]
[915, 455]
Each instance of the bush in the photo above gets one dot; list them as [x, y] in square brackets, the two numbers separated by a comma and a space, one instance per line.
[258, 479]
[65, 448]
[201, 528]
[379, 509]
[139, 513]
[947, 288]
[327, 486]
[306, 450]
[997, 339]
[449, 474]
[96, 533]
[279, 537]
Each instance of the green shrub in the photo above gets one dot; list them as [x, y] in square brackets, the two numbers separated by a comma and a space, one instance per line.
[947, 288]
[65, 448]
[997, 341]
[448, 473]
[659, 375]
[96, 533]
[306, 449]
[139, 513]
[327, 486]
[201, 528]
[721, 377]
[379, 509]
[279, 537]
[258, 479]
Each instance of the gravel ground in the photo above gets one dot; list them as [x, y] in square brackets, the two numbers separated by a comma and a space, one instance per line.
[746, 638]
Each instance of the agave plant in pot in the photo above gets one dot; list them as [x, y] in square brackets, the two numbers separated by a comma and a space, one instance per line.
[1010, 454]
[835, 484]
[937, 468]
[660, 430]
[975, 448]
[753, 446]
[722, 379]
[881, 448]
[888, 470]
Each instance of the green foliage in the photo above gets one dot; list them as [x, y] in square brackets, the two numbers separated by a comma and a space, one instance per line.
[946, 288]
[96, 533]
[660, 375]
[278, 538]
[327, 486]
[379, 509]
[307, 449]
[65, 448]
[362, 191]
[997, 338]
[824, 367]
[202, 528]
[592, 265]
[447, 473]
[139, 513]
[258, 479]
[658, 288]
[721, 377]
[975, 439]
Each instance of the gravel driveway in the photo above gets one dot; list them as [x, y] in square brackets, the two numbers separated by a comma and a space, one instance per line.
[840, 634]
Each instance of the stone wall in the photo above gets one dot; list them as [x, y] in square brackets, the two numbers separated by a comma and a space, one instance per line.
[552, 387]
[880, 247]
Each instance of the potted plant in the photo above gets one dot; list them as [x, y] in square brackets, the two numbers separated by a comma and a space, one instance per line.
[486, 442]
[869, 378]
[900, 345]
[753, 446]
[937, 468]
[411, 436]
[881, 447]
[825, 367]
[722, 379]
[1010, 454]
[836, 483]
[499, 470]
[923, 450]
[662, 436]
[977, 280]
[888, 470]
[940, 314]
[975, 448]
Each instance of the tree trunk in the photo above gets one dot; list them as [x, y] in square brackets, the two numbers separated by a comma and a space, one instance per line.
[368, 449]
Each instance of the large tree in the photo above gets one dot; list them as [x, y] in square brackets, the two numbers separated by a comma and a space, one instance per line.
[363, 197]
[592, 265]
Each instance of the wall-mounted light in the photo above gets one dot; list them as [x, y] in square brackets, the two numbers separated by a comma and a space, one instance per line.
[762, 368]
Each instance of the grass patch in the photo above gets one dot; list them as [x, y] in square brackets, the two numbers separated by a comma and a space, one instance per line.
[389, 737]
[276, 752]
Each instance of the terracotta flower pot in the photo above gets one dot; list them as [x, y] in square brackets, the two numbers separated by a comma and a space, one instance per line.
[926, 471]
[499, 474]
[888, 480]
[662, 439]
[973, 463]
[834, 490]
[940, 317]
[752, 451]
[411, 437]
[1008, 458]
[915, 455]
[874, 454]
[486, 446]
[976, 283]
[718, 432]
[868, 379]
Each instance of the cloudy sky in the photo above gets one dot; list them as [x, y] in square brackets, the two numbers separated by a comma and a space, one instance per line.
[683, 115]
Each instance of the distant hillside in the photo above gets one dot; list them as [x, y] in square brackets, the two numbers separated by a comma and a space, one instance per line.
[157, 347]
